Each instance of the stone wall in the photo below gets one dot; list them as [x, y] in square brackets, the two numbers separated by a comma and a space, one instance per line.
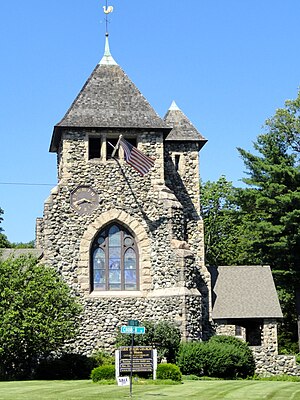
[168, 232]
[268, 363]
[184, 182]
[229, 330]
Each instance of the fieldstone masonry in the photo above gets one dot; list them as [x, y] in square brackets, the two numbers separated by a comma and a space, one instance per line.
[161, 210]
[171, 264]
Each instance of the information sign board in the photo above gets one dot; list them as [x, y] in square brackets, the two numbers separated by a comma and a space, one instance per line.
[141, 358]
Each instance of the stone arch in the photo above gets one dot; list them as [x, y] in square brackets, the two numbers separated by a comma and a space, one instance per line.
[142, 242]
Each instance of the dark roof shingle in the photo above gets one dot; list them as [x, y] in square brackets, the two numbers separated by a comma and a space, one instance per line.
[109, 99]
[244, 292]
[182, 128]
[7, 253]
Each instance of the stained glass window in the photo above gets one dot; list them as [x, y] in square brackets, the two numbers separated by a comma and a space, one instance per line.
[114, 260]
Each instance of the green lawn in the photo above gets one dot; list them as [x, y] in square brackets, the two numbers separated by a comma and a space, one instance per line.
[200, 390]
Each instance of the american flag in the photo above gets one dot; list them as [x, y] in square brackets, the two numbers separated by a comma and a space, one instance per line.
[136, 158]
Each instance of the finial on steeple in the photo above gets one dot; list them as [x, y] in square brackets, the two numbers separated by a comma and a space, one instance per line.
[174, 106]
[107, 58]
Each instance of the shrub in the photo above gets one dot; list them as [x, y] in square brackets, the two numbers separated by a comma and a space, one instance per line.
[235, 357]
[167, 339]
[191, 357]
[100, 358]
[221, 356]
[104, 372]
[67, 366]
[168, 371]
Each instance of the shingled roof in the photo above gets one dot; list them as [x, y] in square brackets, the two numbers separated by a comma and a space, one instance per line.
[183, 129]
[244, 292]
[109, 99]
[15, 253]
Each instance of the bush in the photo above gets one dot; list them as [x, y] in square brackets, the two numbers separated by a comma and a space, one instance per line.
[100, 358]
[191, 357]
[104, 372]
[67, 366]
[235, 358]
[221, 356]
[168, 371]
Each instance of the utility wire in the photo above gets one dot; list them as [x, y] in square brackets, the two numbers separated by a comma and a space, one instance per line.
[27, 184]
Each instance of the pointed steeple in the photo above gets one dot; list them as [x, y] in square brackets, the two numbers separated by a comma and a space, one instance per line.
[109, 99]
[183, 129]
[107, 58]
[174, 106]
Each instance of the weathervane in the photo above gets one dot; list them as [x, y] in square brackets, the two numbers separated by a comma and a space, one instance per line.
[107, 10]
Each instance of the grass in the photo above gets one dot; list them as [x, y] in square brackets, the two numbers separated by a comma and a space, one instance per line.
[200, 390]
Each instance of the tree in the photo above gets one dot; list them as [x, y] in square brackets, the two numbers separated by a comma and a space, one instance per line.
[3, 239]
[37, 315]
[227, 240]
[22, 245]
[272, 202]
[286, 122]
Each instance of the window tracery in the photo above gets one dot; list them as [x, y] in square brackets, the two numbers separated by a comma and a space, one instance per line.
[114, 260]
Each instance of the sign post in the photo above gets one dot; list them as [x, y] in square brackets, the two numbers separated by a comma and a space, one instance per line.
[132, 329]
[131, 363]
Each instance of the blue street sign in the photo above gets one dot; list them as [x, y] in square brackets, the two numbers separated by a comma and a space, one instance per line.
[136, 330]
[133, 322]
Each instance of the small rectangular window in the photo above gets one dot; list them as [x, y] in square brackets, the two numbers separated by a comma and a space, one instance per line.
[111, 144]
[94, 147]
[132, 141]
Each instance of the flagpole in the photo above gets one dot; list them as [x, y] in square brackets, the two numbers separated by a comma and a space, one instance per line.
[117, 146]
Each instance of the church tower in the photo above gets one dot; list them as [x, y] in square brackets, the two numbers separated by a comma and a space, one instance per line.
[130, 246]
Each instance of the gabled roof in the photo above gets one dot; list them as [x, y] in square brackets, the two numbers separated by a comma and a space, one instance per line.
[109, 99]
[244, 292]
[183, 129]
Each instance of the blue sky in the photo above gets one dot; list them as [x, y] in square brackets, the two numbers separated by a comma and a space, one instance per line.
[228, 64]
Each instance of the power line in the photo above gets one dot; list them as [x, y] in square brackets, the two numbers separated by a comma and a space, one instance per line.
[27, 184]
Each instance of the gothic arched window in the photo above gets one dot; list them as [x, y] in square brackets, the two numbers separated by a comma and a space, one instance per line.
[114, 259]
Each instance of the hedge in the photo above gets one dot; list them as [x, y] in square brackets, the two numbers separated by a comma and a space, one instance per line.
[221, 356]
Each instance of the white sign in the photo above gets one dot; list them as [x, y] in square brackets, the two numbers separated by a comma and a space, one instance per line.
[123, 381]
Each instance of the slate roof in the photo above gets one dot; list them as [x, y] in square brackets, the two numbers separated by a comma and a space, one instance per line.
[244, 292]
[109, 99]
[183, 129]
[6, 253]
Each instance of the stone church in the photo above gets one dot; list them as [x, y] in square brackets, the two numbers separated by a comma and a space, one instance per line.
[132, 246]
